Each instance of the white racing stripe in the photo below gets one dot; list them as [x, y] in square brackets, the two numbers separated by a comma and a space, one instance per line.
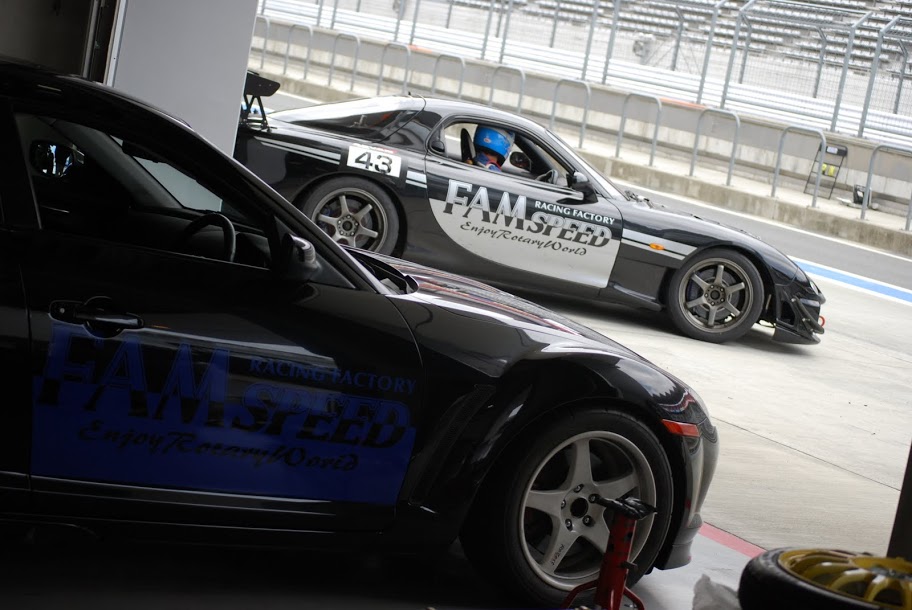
[414, 178]
[642, 240]
[313, 153]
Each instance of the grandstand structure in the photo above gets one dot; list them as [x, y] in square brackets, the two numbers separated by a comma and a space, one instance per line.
[807, 62]
[773, 29]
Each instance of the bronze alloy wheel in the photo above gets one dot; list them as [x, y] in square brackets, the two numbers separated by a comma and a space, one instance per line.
[355, 212]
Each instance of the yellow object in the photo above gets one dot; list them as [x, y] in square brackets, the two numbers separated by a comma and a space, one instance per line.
[882, 580]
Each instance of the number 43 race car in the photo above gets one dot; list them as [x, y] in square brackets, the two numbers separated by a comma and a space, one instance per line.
[486, 193]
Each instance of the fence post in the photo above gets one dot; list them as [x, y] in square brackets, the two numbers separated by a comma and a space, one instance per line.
[616, 16]
[734, 51]
[655, 132]
[414, 21]
[734, 150]
[823, 145]
[709, 43]
[503, 38]
[588, 88]
[265, 40]
[554, 24]
[484, 43]
[332, 65]
[458, 58]
[408, 63]
[592, 22]
[845, 72]
[875, 66]
[867, 194]
[522, 86]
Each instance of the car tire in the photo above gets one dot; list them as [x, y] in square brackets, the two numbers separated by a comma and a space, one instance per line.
[504, 536]
[713, 283]
[766, 583]
[355, 212]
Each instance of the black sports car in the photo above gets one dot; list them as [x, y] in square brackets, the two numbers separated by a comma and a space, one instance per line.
[399, 175]
[186, 357]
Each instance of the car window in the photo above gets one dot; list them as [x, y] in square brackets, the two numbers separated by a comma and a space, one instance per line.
[524, 158]
[106, 186]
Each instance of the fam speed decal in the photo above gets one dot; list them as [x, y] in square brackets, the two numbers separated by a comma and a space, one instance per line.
[539, 236]
[139, 412]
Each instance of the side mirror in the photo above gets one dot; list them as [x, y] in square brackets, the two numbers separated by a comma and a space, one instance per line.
[437, 145]
[53, 159]
[520, 160]
[635, 197]
[299, 259]
[579, 179]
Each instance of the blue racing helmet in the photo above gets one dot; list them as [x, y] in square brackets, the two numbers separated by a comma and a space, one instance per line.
[496, 140]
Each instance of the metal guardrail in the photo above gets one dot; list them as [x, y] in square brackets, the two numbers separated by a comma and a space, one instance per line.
[822, 149]
[584, 120]
[332, 63]
[522, 85]
[867, 193]
[734, 149]
[655, 131]
[408, 63]
[462, 63]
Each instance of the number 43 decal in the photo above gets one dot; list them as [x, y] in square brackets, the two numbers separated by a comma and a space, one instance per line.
[381, 162]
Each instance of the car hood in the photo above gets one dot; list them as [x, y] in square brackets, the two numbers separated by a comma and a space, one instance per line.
[475, 299]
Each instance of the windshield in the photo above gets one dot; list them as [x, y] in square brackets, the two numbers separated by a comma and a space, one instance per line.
[366, 118]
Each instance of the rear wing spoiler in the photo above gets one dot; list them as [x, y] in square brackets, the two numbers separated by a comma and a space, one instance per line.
[256, 88]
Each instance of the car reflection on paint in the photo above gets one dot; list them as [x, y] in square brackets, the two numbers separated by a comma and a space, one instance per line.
[397, 175]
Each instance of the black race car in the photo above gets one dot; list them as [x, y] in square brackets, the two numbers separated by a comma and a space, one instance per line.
[186, 357]
[399, 175]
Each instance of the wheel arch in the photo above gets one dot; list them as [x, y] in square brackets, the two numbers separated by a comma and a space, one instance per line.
[463, 473]
[305, 191]
[751, 255]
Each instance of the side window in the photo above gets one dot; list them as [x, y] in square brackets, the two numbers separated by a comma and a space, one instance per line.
[508, 151]
[91, 183]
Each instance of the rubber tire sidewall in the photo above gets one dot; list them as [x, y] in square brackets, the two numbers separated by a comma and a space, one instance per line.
[680, 317]
[765, 584]
[308, 207]
[490, 536]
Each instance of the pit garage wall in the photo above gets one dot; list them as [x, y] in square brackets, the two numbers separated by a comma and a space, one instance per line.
[48, 32]
[188, 57]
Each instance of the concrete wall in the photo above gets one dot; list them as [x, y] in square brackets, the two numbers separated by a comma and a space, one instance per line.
[188, 58]
[47, 32]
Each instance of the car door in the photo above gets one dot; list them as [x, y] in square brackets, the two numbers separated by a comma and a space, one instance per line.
[174, 374]
[517, 220]
[14, 449]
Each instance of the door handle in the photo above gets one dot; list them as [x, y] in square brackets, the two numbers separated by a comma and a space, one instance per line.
[98, 314]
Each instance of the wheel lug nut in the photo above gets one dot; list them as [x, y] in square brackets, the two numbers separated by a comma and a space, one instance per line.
[593, 498]
[563, 503]
[587, 520]
[577, 488]
[569, 524]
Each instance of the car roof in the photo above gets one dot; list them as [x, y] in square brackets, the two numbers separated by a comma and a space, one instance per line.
[437, 105]
[447, 107]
